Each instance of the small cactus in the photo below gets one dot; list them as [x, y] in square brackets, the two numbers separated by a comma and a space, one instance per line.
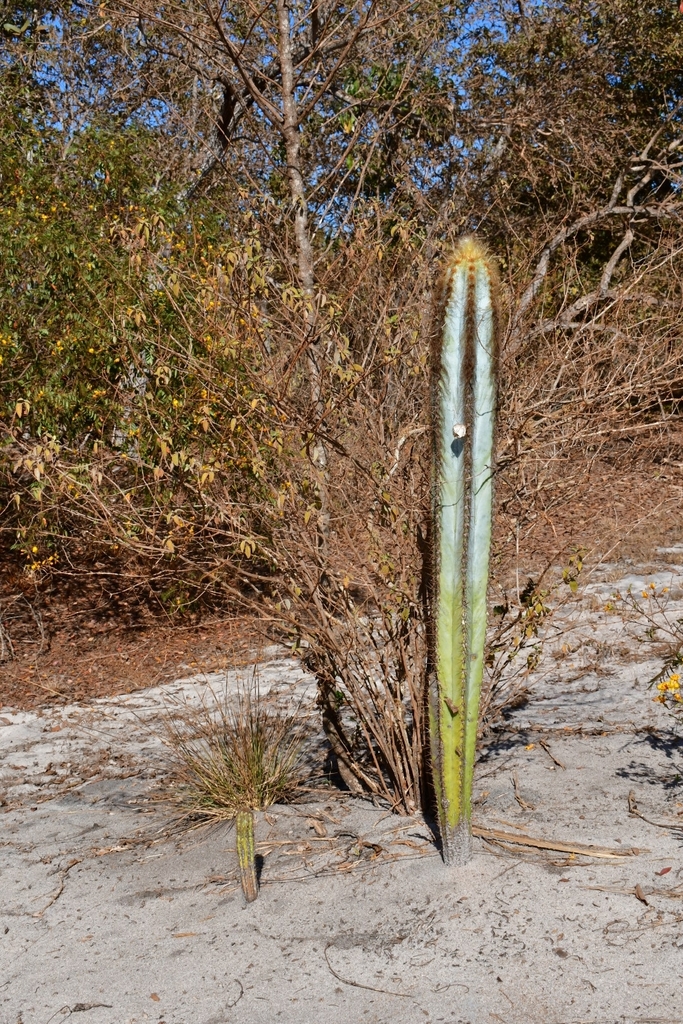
[246, 854]
[464, 406]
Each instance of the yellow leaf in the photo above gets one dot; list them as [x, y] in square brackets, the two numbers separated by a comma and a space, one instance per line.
[247, 547]
[169, 545]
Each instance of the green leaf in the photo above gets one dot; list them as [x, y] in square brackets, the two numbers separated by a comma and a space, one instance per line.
[15, 30]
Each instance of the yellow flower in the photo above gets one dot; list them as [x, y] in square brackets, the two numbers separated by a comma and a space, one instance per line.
[671, 684]
[34, 549]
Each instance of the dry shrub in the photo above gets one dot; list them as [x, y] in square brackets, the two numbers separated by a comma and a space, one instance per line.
[361, 623]
[234, 753]
[352, 542]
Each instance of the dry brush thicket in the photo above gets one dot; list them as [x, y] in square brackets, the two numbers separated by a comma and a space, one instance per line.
[262, 432]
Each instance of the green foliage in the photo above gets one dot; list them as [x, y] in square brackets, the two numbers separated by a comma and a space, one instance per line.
[66, 282]
[573, 569]
[131, 350]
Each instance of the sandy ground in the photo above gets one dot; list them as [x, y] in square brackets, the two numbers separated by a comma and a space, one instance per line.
[105, 914]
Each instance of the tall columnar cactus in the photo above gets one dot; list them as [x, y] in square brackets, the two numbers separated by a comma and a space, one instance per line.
[464, 406]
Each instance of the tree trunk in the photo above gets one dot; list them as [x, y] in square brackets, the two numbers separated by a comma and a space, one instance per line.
[305, 262]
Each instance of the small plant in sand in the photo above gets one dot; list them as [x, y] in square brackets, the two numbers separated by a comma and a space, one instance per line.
[464, 408]
[653, 614]
[238, 755]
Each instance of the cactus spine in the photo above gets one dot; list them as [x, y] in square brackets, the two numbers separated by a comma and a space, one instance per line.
[464, 404]
[246, 854]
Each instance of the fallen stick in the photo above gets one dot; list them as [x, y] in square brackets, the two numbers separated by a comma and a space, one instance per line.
[635, 813]
[549, 844]
[58, 892]
[550, 754]
[671, 893]
[358, 984]
[524, 804]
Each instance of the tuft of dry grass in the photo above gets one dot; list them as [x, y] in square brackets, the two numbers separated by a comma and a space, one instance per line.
[240, 752]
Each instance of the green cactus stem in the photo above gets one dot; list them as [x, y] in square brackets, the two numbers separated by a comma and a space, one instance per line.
[246, 854]
[464, 401]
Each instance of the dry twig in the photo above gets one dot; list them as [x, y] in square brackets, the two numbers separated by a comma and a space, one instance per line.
[579, 849]
[358, 984]
[518, 796]
[542, 743]
[58, 892]
[634, 812]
